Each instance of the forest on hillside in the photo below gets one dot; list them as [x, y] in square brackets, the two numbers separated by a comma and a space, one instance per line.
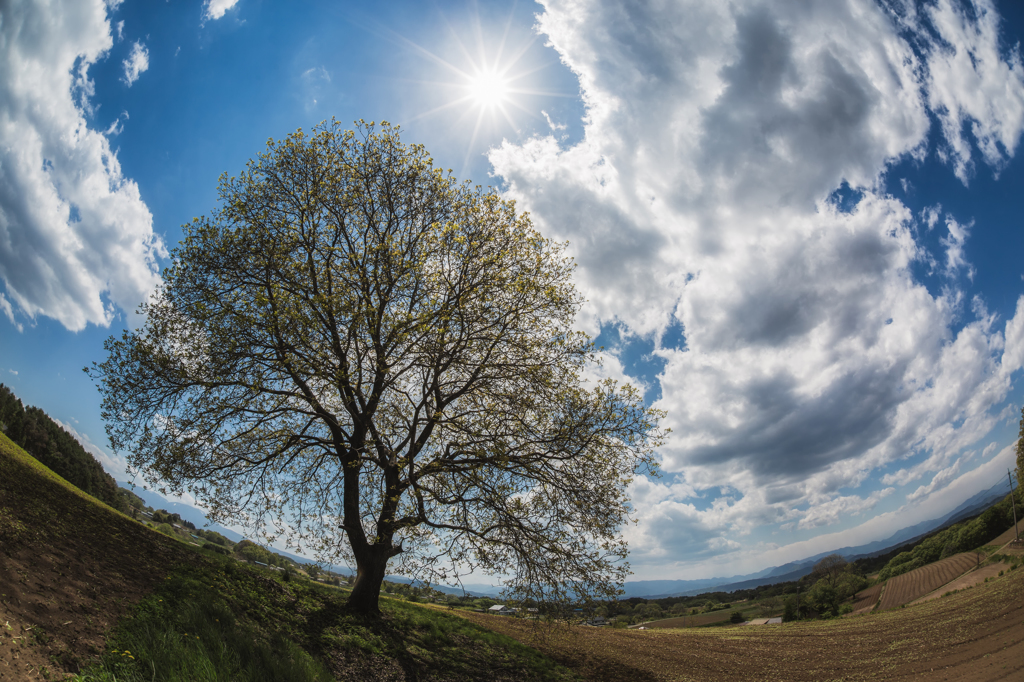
[35, 432]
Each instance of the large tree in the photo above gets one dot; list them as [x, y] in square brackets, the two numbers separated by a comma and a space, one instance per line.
[358, 349]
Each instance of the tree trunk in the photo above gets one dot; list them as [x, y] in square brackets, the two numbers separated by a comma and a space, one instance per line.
[371, 565]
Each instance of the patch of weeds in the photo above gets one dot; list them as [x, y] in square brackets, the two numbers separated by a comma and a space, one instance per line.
[11, 529]
[188, 630]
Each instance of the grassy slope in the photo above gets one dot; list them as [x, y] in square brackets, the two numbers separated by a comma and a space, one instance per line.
[183, 614]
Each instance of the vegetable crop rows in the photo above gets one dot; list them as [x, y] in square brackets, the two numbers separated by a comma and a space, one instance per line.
[867, 597]
[907, 587]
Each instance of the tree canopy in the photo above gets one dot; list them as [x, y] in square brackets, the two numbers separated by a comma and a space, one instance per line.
[829, 569]
[382, 362]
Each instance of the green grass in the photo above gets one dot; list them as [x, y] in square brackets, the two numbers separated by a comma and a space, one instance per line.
[200, 615]
[228, 621]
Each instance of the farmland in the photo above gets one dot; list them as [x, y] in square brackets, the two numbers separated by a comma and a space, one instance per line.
[692, 621]
[969, 579]
[1007, 536]
[866, 599]
[975, 636]
[914, 584]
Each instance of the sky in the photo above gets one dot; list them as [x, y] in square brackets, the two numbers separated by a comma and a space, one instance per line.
[796, 224]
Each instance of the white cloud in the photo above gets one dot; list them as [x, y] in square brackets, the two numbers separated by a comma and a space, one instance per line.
[814, 361]
[136, 64]
[972, 86]
[954, 243]
[5, 306]
[555, 127]
[215, 9]
[76, 239]
[14, 372]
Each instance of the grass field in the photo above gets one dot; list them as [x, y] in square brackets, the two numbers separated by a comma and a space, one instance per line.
[84, 589]
[914, 584]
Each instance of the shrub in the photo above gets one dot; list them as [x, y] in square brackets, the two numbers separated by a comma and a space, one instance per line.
[736, 617]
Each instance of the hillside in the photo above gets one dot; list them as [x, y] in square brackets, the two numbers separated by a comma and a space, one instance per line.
[70, 566]
[47, 441]
[85, 588]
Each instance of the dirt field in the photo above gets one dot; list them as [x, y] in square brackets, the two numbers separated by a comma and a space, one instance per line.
[912, 585]
[1008, 535]
[972, 636]
[866, 599]
[969, 579]
[690, 621]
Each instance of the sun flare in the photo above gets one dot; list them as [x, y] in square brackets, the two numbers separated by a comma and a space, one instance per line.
[488, 89]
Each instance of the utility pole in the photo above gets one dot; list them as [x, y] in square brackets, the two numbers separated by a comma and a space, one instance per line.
[1016, 532]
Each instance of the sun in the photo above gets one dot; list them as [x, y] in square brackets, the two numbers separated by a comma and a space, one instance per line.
[484, 81]
[488, 89]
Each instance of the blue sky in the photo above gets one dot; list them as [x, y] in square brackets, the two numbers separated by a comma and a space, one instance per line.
[798, 228]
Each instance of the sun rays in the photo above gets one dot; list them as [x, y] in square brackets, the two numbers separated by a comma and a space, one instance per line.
[487, 81]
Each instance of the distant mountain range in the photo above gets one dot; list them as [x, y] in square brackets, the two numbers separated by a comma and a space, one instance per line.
[794, 570]
[657, 589]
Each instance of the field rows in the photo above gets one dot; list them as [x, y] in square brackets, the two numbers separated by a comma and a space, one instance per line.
[867, 598]
[1008, 536]
[973, 636]
[691, 621]
[905, 588]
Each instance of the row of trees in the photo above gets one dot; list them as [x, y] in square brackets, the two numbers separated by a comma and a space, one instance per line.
[34, 431]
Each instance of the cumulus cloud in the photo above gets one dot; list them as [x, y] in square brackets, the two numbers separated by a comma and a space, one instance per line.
[76, 238]
[701, 195]
[215, 9]
[136, 64]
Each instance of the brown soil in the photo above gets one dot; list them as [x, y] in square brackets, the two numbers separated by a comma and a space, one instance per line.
[866, 599]
[1008, 536]
[969, 579]
[972, 636]
[905, 588]
[690, 621]
[58, 595]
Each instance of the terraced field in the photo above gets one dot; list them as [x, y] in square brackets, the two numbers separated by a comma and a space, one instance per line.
[691, 621]
[1007, 536]
[865, 599]
[905, 588]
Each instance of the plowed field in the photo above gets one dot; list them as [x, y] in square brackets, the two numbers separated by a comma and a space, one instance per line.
[867, 598]
[969, 579]
[690, 621]
[1007, 536]
[971, 636]
[907, 587]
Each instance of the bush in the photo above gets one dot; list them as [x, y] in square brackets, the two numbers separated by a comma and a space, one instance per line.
[736, 617]
[790, 611]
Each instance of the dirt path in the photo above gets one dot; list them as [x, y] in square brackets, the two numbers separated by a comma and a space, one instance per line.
[973, 636]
